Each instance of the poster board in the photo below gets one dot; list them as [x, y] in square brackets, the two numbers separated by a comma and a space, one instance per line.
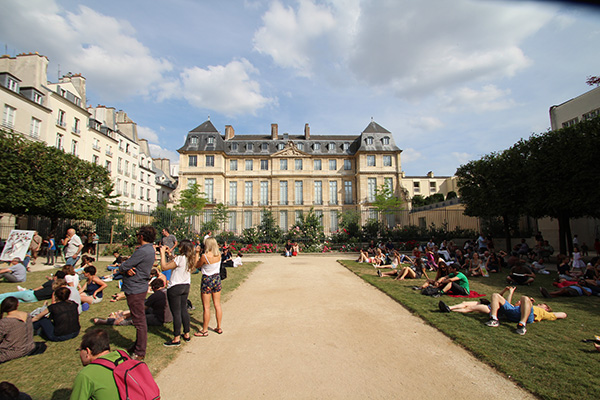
[17, 244]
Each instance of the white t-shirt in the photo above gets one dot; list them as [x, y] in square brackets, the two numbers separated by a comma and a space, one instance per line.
[72, 246]
[210, 269]
[72, 278]
[237, 262]
[180, 274]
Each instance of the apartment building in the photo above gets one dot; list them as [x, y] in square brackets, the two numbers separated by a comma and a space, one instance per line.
[580, 108]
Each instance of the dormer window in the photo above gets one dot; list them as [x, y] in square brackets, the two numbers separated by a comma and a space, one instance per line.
[300, 146]
[211, 140]
[370, 140]
[37, 98]
[386, 140]
[194, 140]
[280, 146]
[12, 85]
[317, 146]
[250, 146]
[345, 146]
[331, 146]
[264, 146]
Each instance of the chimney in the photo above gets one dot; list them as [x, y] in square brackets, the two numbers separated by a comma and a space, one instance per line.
[274, 131]
[229, 132]
[306, 132]
[430, 174]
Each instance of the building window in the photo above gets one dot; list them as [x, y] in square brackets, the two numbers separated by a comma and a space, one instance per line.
[264, 165]
[317, 165]
[9, 116]
[249, 165]
[592, 114]
[432, 186]
[248, 193]
[210, 140]
[95, 159]
[232, 221]
[318, 193]
[370, 161]
[298, 215]
[234, 146]
[317, 146]
[59, 141]
[348, 192]
[74, 146]
[250, 146]
[247, 219]
[76, 125]
[264, 193]
[283, 220]
[37, 98]
[347, 165]
[141, 193]
[298, 164]
[369, 140]
[209, 189]
[345, 146]
[283, 193]
[35, 128]
[233, 193]
[417, 187]
[332, 165]
[387, 161]
[233, 165]
[192, 182]
[300, 146]
[570, 122]
[333, 221]
[194, 140]
[283, 164]
[280, 146]
[386, 140]
[333, 192]
[331, 146]
[132, 190]
[319, 215]
[193, 161]
[148, 196]
[118, 185]
[389, 183]
[210, 161]
[13, 85]
[126, 168]
[299, 199]
[264, 146]
[60, 121]
[371, 189]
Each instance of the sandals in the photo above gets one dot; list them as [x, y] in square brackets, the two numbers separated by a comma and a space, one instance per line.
[201, 334]
[186, 339]
[219, 331]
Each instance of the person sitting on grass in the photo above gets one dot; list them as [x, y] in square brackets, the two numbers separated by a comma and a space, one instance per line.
[63, 318]
[237, 262]
[115, 264]
[415, 270]
[523, 312]
[70, 276]
[538, 267]
[456, 283]
[43, 292]
[395, 260]
[16, 272]
[157, 309]
[92, 289]
[520, 274]
[441, 273]
[475, 266]
[493, 263]
[16, 331]
[564, 268]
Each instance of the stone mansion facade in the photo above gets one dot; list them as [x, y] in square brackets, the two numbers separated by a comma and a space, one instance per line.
[291, 174]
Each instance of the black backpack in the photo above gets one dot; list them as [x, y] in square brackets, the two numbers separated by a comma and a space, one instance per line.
[223, 271]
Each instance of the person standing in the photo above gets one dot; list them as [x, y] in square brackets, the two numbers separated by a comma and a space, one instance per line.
[95, 241]
[136, 274]
[169, 240]
[179, 288]
[210, 263]
[51, 250]
[72, 247]
[34, 247]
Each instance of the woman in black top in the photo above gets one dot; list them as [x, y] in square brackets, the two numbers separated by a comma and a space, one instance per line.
[62, 322]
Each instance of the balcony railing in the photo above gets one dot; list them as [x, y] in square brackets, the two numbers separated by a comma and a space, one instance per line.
[60, 123]
[96, 147]
[283, 202]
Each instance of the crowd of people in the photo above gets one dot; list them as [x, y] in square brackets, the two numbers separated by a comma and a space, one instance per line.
[155, 282]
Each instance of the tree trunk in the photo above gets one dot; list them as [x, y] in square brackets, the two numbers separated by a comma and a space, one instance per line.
[564, 234]
[507, 235]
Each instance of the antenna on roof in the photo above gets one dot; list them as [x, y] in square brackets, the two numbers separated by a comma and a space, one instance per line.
[58, 72]
[371, 119]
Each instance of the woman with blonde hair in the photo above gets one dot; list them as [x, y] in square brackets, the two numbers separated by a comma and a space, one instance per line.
[210, 265]
[178, 288]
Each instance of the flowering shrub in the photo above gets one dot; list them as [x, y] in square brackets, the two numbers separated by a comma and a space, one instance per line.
[259, 248]
[348, 248]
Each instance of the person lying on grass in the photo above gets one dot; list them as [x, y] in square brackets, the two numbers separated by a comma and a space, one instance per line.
[581, 288]
[43, 292]
[396, 260]
[414, 270]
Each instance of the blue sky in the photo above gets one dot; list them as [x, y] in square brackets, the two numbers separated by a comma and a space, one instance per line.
[452, 80]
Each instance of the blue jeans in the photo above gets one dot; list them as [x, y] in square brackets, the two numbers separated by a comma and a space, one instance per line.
[72, 261]
[48, 330]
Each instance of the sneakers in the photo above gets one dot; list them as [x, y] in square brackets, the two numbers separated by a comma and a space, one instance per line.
[379, 273]
[521, 329]
[171, 344]
[416, 288]
[544, 292]
[20, 288]
[444, 307]
[493, 323]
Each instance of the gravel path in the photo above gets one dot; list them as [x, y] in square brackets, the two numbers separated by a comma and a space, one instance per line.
[307, 328]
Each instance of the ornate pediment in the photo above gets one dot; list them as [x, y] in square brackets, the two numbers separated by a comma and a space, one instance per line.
[290, 150]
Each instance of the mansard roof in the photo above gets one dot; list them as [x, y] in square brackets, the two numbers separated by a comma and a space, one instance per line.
[205, 127]
[374, 127]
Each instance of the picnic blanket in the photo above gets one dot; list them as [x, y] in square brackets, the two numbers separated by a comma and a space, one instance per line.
[472, 295]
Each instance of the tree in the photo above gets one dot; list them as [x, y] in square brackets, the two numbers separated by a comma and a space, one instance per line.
[192, 200]
[593, 80]
[42, 180]
[385, 200]
[268, 228]
[221, 214]
[418, 201]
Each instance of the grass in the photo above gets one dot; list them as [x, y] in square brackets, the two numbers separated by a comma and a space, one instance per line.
[50, 375]
[550, 360]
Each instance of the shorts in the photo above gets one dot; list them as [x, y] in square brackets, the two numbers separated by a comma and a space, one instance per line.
[519, 279]
[96, 300]
[513, 313]
[211, 284]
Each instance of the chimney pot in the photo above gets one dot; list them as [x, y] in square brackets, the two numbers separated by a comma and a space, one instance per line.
[306, 132]
[229, 132]
[274, 131]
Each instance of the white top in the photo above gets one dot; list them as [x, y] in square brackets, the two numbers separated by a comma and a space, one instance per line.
[72, 278]
[237, 262]
[73, 245]
[210, 269]
[180, 274]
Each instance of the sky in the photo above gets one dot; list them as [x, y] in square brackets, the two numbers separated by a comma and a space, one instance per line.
[452, 80]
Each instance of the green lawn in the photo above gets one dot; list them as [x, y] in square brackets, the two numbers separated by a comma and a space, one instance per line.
[50, 375]
[550, 360]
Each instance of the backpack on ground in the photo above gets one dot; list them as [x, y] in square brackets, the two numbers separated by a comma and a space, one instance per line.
[223, 271]
[430, 291]
[133, 378]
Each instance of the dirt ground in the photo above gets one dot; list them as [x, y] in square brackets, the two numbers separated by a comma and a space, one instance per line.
[307, 328]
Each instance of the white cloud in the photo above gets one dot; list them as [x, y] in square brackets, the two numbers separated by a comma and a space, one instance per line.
[148, 134]
[426, 123]
[462, 158]
[160, 152]
[489, 98]
[226, 89]
[410, 155]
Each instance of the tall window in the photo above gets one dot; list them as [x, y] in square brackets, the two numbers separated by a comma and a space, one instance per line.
[248, 193]
[283, 220]
[59, 141]
[371, 188]
[247, 219]
[333, 220]
[233, 165]
[232, 220]
[298, 164]
[74, 146]
[209, 189]
[432, 186]
[386, 140]
[370, 161]
[233, 193]
[249, 165]
[118, 185]
[299, 199]
[370, 140]
[389, 183]
[387, 161]
[347, 192]
[347, 165]
[210, 140]
[283, 193]
[76, 125]
[332, 165]
[264, 165]
[9, 116]
[108, 166]
[298, 216]
[210, 161]
[317, 165]
[192, 161]
[417, 187]
[318, 192]
[319, 215]
[35, 127]
[264, 193]
[95, 159]
[192, 182]
[333, 192]
[60, 121]
[283, 164]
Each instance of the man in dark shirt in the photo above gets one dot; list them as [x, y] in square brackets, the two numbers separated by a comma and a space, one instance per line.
[136, 274]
